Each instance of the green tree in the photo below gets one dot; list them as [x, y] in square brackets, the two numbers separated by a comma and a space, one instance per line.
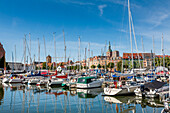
[81, 67]
[119, 66]
[86, 67]
[126, 64]
[110, 65]
[93, 66]
[99, 66]
[44, 65]
[61, 64]
[75, 67]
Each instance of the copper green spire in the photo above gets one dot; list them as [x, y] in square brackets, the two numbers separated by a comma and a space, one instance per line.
[109, 50]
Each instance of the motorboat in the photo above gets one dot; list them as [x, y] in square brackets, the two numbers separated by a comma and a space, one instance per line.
[89, 82]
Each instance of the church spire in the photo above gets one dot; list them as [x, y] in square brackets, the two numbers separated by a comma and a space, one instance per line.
[109, 49]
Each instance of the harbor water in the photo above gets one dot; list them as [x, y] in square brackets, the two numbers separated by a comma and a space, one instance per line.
[19, 98]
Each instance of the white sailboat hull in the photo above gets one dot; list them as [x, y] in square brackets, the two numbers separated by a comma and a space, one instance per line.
[55, 82]
[119, 91]
[33, 81]
[16, 80]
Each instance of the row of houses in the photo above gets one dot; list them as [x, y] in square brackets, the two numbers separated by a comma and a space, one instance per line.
[103, 60]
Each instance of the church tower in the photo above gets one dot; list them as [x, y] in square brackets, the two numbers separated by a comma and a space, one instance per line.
[109, 52]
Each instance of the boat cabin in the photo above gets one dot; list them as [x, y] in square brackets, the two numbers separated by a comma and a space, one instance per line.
[86, 80]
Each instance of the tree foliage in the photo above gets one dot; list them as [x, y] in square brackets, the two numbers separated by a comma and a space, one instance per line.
[44, 65]
[119, 66]
[93, 66]
[99, 66]
[110, 65]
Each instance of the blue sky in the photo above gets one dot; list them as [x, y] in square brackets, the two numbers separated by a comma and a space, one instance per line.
[95, 21]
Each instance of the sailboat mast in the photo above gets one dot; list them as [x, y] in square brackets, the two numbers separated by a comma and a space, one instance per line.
[30, 47]
[24, 51]
[15, 57]
[153, 53]
[130, 32]
[163, 51]
[135, 42]
[4, 64]
[79, 55]
[106, 56]
[143, 51]
[85, 59]
[89, 56]
[38, 53]
[64, 45]
[12, 62]
[54, 49]
[45, 50]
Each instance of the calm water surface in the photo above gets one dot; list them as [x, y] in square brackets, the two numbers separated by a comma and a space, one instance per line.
[18, 98]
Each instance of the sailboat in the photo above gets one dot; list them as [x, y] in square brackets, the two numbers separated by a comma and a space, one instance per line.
[127, 88]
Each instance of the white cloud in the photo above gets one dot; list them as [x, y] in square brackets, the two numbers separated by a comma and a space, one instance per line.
[158, 18]
[101, 7]
[123, 3]
[82, 3]
[75, 2]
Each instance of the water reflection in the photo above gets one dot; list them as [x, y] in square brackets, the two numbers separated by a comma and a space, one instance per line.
[89, 93]
[1, 94]
[30, 98]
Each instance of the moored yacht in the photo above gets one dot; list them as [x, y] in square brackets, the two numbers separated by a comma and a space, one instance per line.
[151, 89]
[15, 79]
[55, 81]
[6, 78]
[70, 83]
[33, 81]
[42, 83]
[89, 82]
[126, 89]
